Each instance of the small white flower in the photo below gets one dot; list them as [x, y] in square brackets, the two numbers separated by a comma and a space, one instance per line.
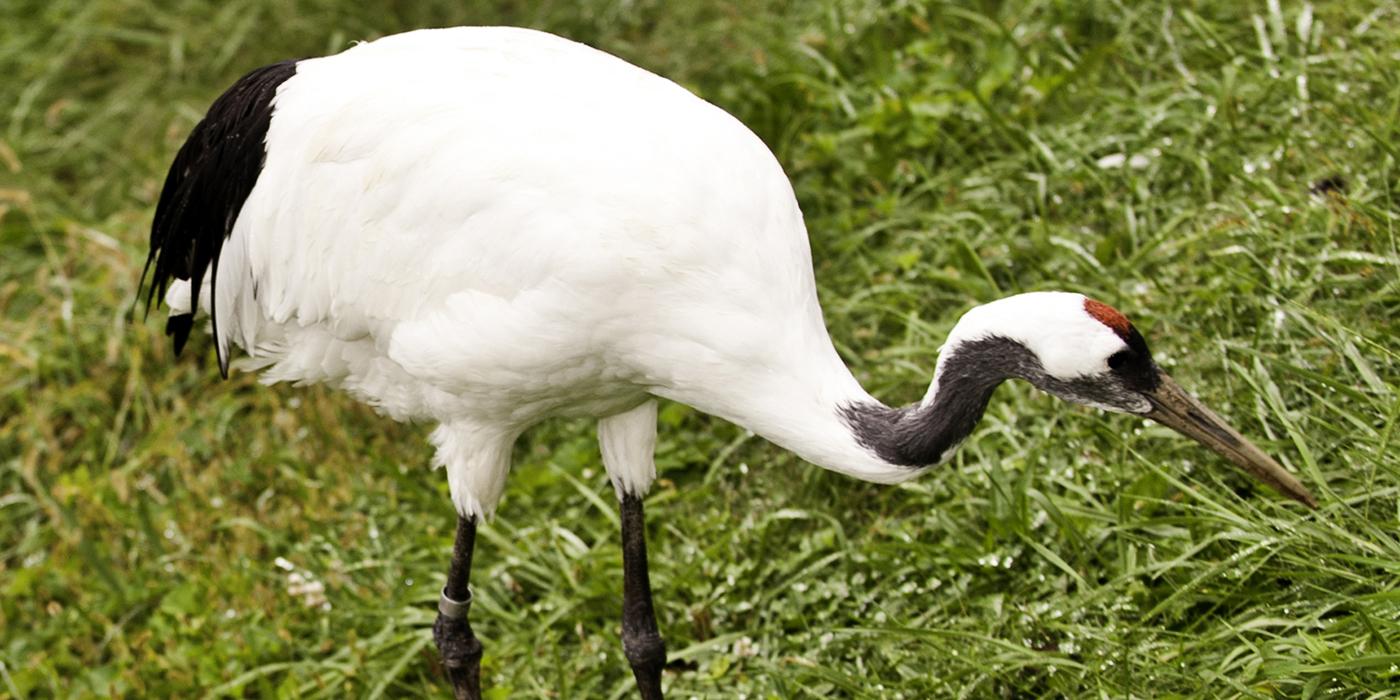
[1114, 161]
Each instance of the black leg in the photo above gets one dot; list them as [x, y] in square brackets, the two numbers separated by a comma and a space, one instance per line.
[640, 639]
[459, 648]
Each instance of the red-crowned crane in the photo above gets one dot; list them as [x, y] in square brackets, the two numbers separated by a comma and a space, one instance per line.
[486, 227]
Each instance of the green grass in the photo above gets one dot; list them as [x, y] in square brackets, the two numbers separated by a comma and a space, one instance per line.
[945, 155]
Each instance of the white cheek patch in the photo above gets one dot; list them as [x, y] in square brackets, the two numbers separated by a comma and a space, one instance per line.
[1075, 352]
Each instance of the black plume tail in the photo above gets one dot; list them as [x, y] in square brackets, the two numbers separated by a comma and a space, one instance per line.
[205, 190]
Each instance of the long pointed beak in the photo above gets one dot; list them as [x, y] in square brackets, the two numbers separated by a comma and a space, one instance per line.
[1174, 408]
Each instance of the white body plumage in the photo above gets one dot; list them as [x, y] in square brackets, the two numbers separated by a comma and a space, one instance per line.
[487, 226]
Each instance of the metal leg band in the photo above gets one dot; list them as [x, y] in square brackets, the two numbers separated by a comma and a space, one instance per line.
[454, 609]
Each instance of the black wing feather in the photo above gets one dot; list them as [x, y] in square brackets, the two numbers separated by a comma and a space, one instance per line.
[205, 190]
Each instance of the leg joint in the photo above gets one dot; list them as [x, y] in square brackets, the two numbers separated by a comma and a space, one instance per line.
[456, 642]
[644, 649]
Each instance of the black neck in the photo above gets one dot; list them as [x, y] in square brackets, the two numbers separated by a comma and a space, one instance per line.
[923, 435]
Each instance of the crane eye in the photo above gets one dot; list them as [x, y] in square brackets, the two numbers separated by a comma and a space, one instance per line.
[1120, 359]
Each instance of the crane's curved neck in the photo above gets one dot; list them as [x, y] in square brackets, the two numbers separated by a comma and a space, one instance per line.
[820, 412]
[927, 433]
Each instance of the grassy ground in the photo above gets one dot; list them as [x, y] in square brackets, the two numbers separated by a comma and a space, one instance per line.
[158, 528]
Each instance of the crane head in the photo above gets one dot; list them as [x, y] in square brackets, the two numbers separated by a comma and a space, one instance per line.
[1085, 351]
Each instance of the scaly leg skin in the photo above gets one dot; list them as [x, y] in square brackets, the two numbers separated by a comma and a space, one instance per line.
[458, 646]
[641, 641]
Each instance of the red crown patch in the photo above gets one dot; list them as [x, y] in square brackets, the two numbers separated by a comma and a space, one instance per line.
[1108, 316]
